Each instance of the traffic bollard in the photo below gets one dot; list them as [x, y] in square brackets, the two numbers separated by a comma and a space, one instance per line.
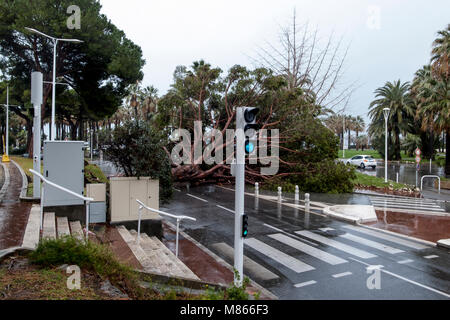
[307, 202]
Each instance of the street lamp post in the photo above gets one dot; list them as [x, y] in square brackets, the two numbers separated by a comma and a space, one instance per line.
[5, 157]
[386, 112]
[55, 43]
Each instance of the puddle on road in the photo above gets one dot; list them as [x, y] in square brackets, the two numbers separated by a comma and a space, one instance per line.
[426, 227]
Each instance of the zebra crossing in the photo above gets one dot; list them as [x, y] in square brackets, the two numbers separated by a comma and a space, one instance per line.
[355, 241]
[400, 204]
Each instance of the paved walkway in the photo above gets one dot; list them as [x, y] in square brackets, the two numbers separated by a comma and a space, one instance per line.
[13, 213]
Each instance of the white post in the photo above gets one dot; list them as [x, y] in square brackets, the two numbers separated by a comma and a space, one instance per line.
[297, 196]
[36, 100]
[343, 135]
[385, 154]
[256, 189]
[92, 142]
[430, 164]
[42, 207]
[307, 202]
[397, 177]
[386, 112]
[176, 244]
[239, 197]
[52, 125]
[279, 194]
[138, 239]
[87, 221]
[7, 122]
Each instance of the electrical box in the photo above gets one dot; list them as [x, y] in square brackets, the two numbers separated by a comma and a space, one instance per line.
[125, 190]
[63, 165]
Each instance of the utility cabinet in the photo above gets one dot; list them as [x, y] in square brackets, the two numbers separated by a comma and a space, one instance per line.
[125, 190]
[63, 165]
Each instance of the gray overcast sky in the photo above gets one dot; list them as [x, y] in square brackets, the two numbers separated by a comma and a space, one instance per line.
[225, 33]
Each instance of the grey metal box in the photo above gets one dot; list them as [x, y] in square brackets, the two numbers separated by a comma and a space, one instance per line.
[63, 165]
[97, 212]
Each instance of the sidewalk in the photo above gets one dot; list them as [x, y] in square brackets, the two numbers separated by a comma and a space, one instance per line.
[433, 194]
[13, 213]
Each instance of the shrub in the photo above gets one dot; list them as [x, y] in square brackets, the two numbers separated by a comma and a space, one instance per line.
[90, 256]
[138, 149]
[321, 177]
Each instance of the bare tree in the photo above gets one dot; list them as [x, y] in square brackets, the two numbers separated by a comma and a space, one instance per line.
[315, 66]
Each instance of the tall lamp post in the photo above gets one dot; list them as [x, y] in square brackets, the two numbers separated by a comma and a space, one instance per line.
[55, 43]
[5, 157]
[386, 112]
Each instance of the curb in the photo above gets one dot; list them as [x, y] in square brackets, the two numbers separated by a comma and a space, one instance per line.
[263, 290]
[23, 191]
[443, 243]
[399, 235]
[6, 182]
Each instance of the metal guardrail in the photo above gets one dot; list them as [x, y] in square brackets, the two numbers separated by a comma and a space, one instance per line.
[179, 218]
[45, 181]
[430, 176]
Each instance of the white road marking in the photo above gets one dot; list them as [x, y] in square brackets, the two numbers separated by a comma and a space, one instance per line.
[412, 206]
[316, 253]
[340, 275]
[370, 243]
[431, 257]
[292, 235]
[226, 209]
[405, 261]
[190, 195]
[326, 229]
[336, 244]
[280, 257]
[410, 200]
[407, 280]
[177, 190]
[304, 284]
[387, 237]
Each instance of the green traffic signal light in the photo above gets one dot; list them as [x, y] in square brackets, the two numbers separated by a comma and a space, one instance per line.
[244, 226]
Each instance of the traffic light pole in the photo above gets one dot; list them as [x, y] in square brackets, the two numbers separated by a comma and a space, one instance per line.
[239, 197]
[36, 100]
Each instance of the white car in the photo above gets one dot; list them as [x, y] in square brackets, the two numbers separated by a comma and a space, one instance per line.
[362, 161]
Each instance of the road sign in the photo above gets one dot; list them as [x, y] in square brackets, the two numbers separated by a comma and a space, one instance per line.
[418, 159]
[418, 152]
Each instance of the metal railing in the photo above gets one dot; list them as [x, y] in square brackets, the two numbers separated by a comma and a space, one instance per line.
[44, 182]
[178, 218]
[430, 176]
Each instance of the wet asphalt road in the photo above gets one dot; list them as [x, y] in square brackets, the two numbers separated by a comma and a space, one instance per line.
[417, 272]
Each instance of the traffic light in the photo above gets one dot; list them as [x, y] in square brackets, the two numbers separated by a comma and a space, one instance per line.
[250, 124]
[244, 226]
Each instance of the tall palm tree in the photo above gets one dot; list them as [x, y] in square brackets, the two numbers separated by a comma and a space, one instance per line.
[434, 109]
[396, 97]
[440, 54]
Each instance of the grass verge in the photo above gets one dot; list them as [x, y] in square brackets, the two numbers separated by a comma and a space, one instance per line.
[41, 274]
[364, 180]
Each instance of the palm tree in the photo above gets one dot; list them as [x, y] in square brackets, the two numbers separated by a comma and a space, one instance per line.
[434, 110]
[396, 97]
[360, 125]
[440, 53]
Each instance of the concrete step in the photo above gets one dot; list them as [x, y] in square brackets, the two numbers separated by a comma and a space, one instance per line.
[159, 266]
[62, 227]
[185, 271]
[32, 230]
[49, 231]
[138, 252]
[157, 256]
[170, 263]
[76, 230]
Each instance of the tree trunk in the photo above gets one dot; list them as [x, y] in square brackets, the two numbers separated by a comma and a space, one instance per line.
[447, 153]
